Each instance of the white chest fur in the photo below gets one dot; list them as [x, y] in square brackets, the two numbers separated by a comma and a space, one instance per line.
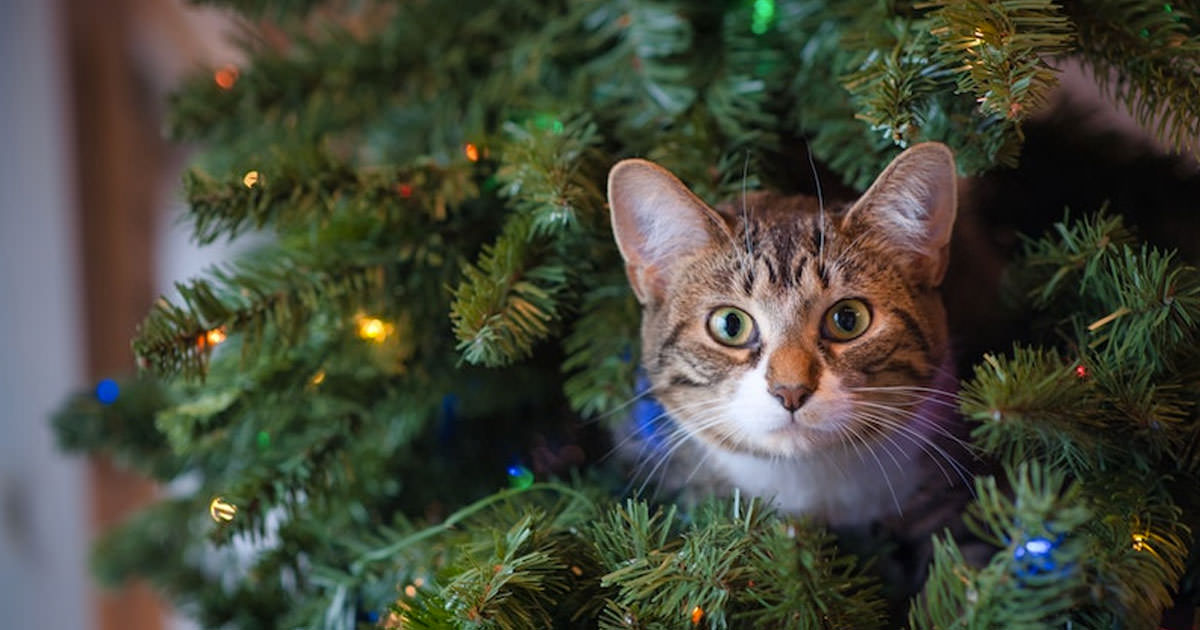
[841, 487]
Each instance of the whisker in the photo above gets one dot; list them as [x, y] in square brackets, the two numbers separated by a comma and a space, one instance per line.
[697, 467]
[886, 478]
[611, 412]
[665, 415]
[820, 205]
[921, 440]
[745, 211]
[674, 441]
[915, 438]
[913, 390]
[912, 415]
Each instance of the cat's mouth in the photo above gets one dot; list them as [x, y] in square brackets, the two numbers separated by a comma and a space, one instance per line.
[801, 432]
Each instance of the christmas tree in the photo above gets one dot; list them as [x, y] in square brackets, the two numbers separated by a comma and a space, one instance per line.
[442, 312]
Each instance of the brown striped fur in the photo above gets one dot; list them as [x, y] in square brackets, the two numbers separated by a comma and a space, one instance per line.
[870, 412]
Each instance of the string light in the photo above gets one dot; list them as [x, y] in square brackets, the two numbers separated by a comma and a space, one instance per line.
[221, 510]
[215, 336]
[250, 179]
[404, 190]
[410, 590]
[472, 152]
[1139, 542]
[107, 391]
[1081, 371]
[764, 13]
[697, 615]
[373, 328]
[519, 477]
[226, 76]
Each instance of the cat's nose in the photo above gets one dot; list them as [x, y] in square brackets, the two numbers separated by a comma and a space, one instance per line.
[792, 397]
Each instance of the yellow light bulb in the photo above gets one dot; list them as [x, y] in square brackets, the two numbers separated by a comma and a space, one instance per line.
[373, 328]
[1139, 542]
[215, 336]
[221, 510]
[251, 179]
[472, 152]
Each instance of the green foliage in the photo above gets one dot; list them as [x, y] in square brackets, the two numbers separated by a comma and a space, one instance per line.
[602, 367]
[1006, 45]
[281, 292]
[1010, 591]
[1059, 560]
[513, 295]
[1145, 54]
[1116, 419]
[123, 430]
[736, 565]
[507, 302]
[1033, 405]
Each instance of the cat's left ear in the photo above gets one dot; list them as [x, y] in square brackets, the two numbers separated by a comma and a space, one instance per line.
[912, 204]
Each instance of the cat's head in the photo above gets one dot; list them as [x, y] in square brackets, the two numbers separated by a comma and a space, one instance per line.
[775, 327]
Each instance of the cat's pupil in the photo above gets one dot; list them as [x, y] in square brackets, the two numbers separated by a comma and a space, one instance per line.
[733, 325]
[845, 318]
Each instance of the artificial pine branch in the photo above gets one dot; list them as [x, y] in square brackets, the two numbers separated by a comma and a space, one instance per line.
[1034, 581]
[123, 430]
[818, 40]
[300, 189]
[1159, 304]
[1003, 47]
[644, 63]
[510, 298]
[506, 301]
[893, 88]
[549, 171]
[292, 87]
[1072, 255]
[1146, 55]
[601, 367]
[737, 565]
[1034, 405]
[280, 292]
[1141, 540]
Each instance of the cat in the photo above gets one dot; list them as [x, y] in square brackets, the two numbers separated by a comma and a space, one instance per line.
[801, 352]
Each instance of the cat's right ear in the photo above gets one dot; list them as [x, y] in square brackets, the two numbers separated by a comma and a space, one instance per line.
[656, 221]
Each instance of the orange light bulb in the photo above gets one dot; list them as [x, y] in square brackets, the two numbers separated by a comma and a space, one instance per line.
[226, 77]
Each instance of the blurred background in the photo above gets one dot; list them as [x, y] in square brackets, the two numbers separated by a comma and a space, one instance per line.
[88, 238]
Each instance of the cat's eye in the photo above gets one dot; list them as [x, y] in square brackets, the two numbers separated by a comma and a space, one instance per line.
[732, 326]
[846, 320]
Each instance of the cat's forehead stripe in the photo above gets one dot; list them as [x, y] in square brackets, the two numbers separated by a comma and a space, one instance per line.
[775, 231]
